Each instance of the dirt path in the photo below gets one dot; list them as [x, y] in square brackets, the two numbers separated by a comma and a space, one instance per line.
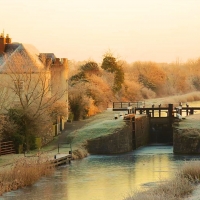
[76, 125]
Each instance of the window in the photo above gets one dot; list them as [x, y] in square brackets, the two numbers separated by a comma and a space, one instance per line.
[19, 85]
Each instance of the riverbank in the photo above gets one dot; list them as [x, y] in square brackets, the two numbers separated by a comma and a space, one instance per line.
[98, 126]
[179, 187]
[24, 172]
[76, 132]
[187, 135]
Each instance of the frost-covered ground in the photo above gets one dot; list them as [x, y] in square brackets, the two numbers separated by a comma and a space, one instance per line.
[195, 194]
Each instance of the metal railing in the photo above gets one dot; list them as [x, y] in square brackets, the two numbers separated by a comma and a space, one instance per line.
[65, 145]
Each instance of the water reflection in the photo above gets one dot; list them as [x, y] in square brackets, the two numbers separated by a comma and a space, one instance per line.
[105, 177]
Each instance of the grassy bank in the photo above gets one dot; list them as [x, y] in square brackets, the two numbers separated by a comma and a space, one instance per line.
[104, 124]
[24, 172]
[179, 187]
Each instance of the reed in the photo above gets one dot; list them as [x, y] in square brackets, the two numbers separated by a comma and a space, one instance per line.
[191, 171]
[24, 172]
[79, 153]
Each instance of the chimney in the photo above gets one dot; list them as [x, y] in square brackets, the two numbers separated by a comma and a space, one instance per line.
[3, 42]
[8, 39]
[57, 61]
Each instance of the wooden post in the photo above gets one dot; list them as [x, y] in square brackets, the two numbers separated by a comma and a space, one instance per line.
[147, 112]
[171, 118]
[159, 111]
[170, 110]
[153, 110]
[133, 133]
[180, 109]
[187, 109]
[58, 148]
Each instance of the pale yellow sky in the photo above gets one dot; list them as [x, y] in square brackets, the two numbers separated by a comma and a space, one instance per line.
[145, 30]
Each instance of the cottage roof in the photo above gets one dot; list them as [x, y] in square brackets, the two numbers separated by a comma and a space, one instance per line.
[23, 56]
[48, 55]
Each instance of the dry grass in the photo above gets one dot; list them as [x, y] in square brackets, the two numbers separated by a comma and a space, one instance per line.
[189, 97]
[24, 172]
[191, 171]
[179, 187]
[79, 153]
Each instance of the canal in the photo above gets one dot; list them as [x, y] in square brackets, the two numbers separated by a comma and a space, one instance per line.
[105, 177]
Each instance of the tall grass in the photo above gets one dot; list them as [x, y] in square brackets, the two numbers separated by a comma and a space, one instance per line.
[179, 187]
[24, 172]
[191, 171]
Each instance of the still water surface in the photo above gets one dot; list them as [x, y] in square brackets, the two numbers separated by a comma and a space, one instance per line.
[105, 177]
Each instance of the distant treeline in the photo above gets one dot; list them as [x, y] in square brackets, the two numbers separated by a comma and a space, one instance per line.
[94, 86]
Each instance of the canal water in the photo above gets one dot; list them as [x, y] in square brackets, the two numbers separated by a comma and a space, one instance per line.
[106, 177]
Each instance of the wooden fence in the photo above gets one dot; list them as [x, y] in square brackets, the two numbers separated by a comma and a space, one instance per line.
[7, 148]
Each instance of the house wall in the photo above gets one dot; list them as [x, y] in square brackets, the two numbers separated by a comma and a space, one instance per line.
[59, 79]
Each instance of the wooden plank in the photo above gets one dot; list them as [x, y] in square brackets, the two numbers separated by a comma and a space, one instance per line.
[61, 159]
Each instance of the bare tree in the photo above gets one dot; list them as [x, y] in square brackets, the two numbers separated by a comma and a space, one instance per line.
[28, 84]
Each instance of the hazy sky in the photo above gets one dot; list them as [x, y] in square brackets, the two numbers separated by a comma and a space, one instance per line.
[145, 30]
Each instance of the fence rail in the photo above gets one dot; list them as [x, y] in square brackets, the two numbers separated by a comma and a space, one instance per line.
[117, 106]
[7, 148]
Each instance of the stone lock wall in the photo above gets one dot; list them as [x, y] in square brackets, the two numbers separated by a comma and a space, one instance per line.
[122, 139]
[118, 142]
[186, 141]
